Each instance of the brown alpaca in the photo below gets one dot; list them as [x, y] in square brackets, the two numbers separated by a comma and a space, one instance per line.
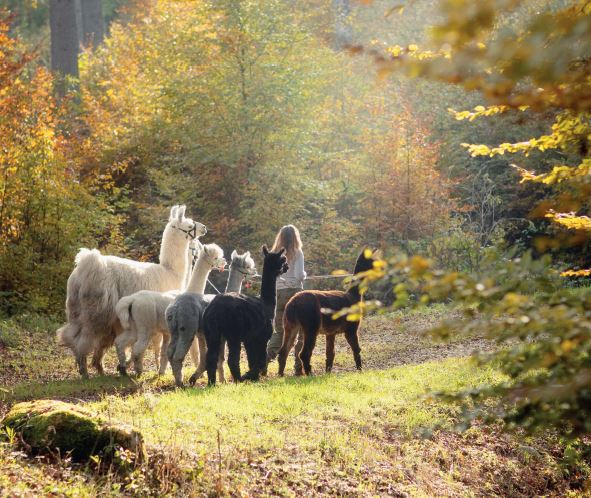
[303, 314]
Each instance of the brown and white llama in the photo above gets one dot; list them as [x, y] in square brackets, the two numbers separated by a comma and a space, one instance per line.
[98, 282]
[310, 313]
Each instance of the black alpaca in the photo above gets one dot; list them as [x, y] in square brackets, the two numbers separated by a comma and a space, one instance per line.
[304, 314]
[241, 319]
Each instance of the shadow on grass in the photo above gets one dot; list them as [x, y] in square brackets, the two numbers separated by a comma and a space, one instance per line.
[96, 387]
[269, 382]
[69, 389]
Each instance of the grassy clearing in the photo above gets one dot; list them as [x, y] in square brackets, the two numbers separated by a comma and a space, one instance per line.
[347, 424]
[346, 434]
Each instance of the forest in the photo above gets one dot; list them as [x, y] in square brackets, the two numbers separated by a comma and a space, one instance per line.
[447, 144]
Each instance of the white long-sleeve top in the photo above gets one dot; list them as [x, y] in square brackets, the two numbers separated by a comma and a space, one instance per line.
[295, 276]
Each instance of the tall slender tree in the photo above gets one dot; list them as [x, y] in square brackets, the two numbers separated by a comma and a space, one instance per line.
[92, 22]
[64, 40]
[342, 24]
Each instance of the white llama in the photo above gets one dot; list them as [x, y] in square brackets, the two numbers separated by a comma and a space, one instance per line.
[142, 314]
[194, 246]
[98, 282]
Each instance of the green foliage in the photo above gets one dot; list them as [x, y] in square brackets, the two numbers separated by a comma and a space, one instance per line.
[542, 331]
[541, 327]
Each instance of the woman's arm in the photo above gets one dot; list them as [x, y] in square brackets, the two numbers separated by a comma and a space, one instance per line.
[299, 272]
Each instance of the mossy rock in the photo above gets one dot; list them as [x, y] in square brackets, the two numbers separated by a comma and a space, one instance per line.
[47, 425]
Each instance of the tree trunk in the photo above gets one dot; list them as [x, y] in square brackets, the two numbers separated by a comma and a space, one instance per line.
[342, 25]
[64, 41]
[93, 23]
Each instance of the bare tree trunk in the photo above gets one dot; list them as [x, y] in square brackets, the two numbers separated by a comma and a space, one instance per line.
[93, 23]
[64, 40]
[342, 23]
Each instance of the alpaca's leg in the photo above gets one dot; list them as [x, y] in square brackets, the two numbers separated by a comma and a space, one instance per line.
[329, 352]
[97, 358]
[177, 350]
[297, 367]
[139, 349]
[122, 342]
[233, 359]
[202, 366]
[159, 349]
[163, 355]
[82, 347]
[202, 355]
[194, 350]
[82, 364]
[353, 340]
[221, 374]
[214, 341]
[256, 354]
[306, 353]
[289, 336]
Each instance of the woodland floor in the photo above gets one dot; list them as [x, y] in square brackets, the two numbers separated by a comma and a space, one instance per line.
[345, 434]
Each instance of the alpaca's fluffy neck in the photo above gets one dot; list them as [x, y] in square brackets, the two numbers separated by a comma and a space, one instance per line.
[354, 292]
[189, 261]
[268, 288]
[173, 251]
[199, 276]
[234, 283]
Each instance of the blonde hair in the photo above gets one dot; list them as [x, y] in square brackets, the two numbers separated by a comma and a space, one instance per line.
[289, 238]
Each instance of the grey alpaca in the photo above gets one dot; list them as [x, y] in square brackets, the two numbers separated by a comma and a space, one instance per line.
[184, 319]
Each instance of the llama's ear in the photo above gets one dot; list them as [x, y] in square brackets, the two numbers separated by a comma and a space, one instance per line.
[265, 250]
[181, 212]
[234, 254]
[281, 251]
[173, 211]
[247, 254]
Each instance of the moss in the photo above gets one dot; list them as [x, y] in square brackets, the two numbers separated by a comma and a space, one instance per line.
[47, 425]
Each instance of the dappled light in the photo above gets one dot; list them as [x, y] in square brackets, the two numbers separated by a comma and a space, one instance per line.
[277, 248]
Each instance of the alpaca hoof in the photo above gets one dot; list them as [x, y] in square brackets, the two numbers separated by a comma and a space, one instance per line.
[122, 370]
[193, 379]
[298, 373]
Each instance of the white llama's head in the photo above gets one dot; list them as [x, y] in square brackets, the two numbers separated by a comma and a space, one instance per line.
[214, 256]
[189, 228]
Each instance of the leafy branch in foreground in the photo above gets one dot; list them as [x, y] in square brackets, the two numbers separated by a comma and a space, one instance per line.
[544, 338]
[543, 330]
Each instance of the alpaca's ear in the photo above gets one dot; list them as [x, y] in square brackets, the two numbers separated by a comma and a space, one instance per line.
[234, 254]
[281, 251]
[173, 211]
[265, 250]
[247, 254]
[181, 212]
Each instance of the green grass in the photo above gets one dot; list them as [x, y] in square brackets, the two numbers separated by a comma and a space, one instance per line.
[344, 434]
[294, 407]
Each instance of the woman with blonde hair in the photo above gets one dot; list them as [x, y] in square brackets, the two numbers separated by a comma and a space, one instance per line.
[288, 284]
